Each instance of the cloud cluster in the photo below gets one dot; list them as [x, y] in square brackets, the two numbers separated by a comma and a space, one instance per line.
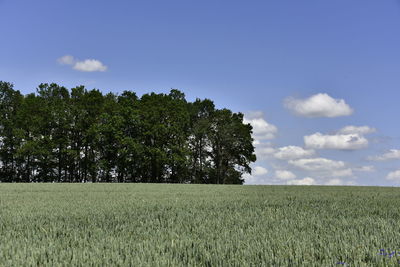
[262, 130]
[348, 138]
[293, 152]
[391, 154]
[66, 60]
[305, 181]
[258, 176]
[312, 181]
[263, 150]
[337, 141]
[259, 171]
[323, 167]
[334, 182]
[317, 164]
[368, 168]
[303, 161]
[253, 180]
[319, 105]
[394, 176]
[87, 65]
[284, 174]
[90, 65]
[361, 130]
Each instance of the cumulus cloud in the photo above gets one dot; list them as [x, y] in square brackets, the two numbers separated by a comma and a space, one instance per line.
[361, 130]
[334, 182]
[263, 150]
[319, 105]
[262, 130]
[66, 60]
[305, 181]
[258, 176]
[337, 141]
[368, 168]
[293, 152]
[318, 164]
[394, 176]
[323, 168]
[253, 180]
[348, 138]
[87, 65]
[391, 154]
[258, 171]
[284, 174]
[90, 65]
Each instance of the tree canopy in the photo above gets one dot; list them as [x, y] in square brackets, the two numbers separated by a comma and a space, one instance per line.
[80, 135]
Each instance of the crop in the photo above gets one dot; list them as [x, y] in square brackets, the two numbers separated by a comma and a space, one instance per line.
[198, 225]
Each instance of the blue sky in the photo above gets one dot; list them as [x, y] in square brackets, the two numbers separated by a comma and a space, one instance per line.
[295, 68]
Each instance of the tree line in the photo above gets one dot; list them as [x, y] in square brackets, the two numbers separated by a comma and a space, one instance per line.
[80, 135]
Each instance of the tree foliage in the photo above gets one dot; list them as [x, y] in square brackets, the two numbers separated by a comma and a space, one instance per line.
[80, 135]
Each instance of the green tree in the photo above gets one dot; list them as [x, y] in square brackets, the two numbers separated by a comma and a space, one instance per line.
[232, 148]
[10, 101]
[57, 100]
[93, 102]
[31, 117]
[57, 135]
[109, 133]
[165, 120]
[130, 149]
[201, 112]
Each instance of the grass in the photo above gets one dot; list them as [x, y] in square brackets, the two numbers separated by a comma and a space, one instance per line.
[197, 225]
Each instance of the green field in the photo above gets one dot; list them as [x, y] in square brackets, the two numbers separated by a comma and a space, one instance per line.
[197, 225]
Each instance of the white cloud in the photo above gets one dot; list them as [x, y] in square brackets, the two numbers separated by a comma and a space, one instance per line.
[394, 176]
[66, 60]
[251, 179]
[258, 176]
[348, 138]
[318, 164]
[305, 181]
[368, 168]
[262, 130]
[90, 65]
[87, 65]
[391, 154]
[258, 171]
[263, 150]
[337, 141]
[323, 168]
[319, 105]
[334, 182]
[361, 130]
[284, 175]
[293, 152]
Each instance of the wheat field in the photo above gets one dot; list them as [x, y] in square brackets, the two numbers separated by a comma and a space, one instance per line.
[198, 225]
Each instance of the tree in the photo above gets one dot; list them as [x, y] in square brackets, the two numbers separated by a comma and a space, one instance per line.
[165, 120]
[93, 107]
[10, 101]
[131, 149]
[57, 100]
[31, 122]
[232, 148]
[201, 112]
[61, 135]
